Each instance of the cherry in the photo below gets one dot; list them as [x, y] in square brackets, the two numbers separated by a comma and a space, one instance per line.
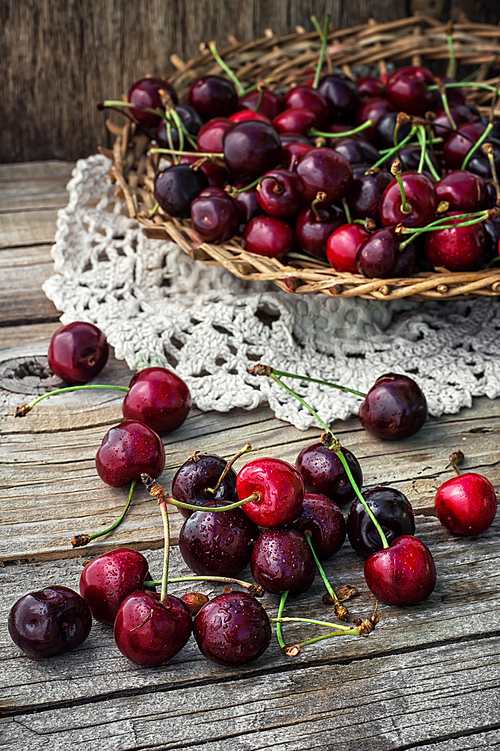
[251, 148]
[177, 186]
[127, 451]
[343, 246]
[287, 138]
[323, 473]
[463, 190]
[109, 578]
[279, 194]
[369, 87]
[410, 158]
[268, 236]
[356, 150]
[49, 622]
[150, 632]
[322, 519]
[373, 110]
[341, 95]
[460, 113]
[457, 248]
[420, 196]
[297, 120]
[213, 96]
[384, 129]
[216, 174]
[324, 170]
[365, 194]
[280, 487]
[378, 256]
[394, 408]
[479, 162]
[460, 142]
[292, 151]
[282, 560]
[232, 629]
[191, 121]
[159, 398]
[310, 99]
[467, 504]
[146, 93]
[315, 225]
[238, 117]
[215, 543]
[392, 510]
[407, 90]
[266, 102]
[403, 574]
[211, 135]
[215, 216]
[78, 352]
[247, 203]
[199, 475]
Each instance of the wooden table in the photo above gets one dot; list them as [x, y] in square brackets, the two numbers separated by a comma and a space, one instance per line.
[428, 677]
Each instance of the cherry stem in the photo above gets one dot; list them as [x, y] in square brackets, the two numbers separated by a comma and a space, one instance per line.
[478, 143]
[452, 66]
[321, 570]
[80, 541]
[254, 589]
[350, 632]
[178, 152]
[347, 211]
[279, 630]
[475, 218]
[283, 374]
[261, 97]
[488, 150]
[446, 104]
[239, 86]
[246, 447]
[154, 210]
[156, 491]
[323, 35]
[278, 188]
[235, 191]
[431, 167]
[460, 84]
[430, 141]
[483, 69]
[455, 459]
[423, 148]
[344, 134]
[341, 629]
[393, 151]
[396, 172]
[166, 550]
[129, 105]
[320, 196]
[25, 408]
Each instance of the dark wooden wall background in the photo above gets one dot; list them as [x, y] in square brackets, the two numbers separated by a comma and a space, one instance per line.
[61, 56]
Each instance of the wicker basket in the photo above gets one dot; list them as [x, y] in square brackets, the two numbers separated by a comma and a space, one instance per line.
[286, 60]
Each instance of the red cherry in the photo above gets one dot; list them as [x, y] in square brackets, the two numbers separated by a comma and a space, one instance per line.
[420, 195]
[373, 110]
[460, 142]
[279, 193]
[215, 216]
[322, 519]
[467, 504]
[211, 135]
[313, 228]
[282, 560]
[127, 451]
[247, 203]
[341, 95]
[146, 93]
[310, 99]
[365, 194]
[407, 90]
[324, 170]
[458, 248]
[281, 490]
[292, 151]
[460, 113]
[270, 104]
[394, 408]
[268, 236]
[251, 148]
[463, 190]
[343, 245]
[297, 120]
[159, 398]
[213, 96]
[78, 352]
[369, 87]
[238, 117]
[403, 574]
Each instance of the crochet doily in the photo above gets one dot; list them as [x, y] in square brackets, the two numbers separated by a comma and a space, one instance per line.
[157, 306]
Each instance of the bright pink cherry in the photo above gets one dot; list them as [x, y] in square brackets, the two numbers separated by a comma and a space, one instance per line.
[467, 504]
[280, 487]
[402, 574]
[127, 451]
[343, 246]
[159, 398]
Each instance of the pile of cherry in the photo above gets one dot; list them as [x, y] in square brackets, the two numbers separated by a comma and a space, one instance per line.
[377, 177]
[281, 519]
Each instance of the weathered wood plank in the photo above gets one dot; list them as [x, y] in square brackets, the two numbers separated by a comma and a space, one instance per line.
[22, 272]
[20, 228]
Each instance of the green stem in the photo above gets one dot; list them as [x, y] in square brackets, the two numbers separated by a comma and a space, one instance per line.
[321, 570]
[476, 218]
[279, 630]
[130, 105]
[446, 106]
[154, 210]
[347, 211]
[429, 141]
[478, 143]
[460, 84]
[239, 86]
[166, 552]
[349, 632]
[341, 629]
[452, 66]
[229, 464]
[423, 149]
[220, 579]
[344, 134]
[431, 167]
[22, 411]
[396, 172]
[304, 403]
[317, 380]
[84, 539]
[155, 489]
[394, 149]
[323, 35]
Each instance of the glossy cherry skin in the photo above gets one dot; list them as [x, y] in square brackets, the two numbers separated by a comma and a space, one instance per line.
[366, 193]
[281, 560]
[311, 99]
[394, 408]
[217, 543]
[313, 228]
[457, 249]
[159, 398]
[420, 194]
[324, 170]
[247, 203]
[341, 95]
[407, 90]
[199, 474]
[369, 87]
[251, 148]
[373, 110]
[217, 175]
[215, 216]
[177, 187]
[269, 104]
[392, 510]
[403, 574]
[109, 578]
[292, 151]
[281, 490]
[466, 505]
[378, 256]
[49, 622]
[322, 519]
[479, 162]
[384, 129]
[146, 93]
[191, 120]
[343, 246]
[149, 632]
[279, 194]
[211, 135]
[268, 236]
[240, 115]
[127, 451]
[213, 96]
[298, 120]
[463, 190]
[232, 629]
[460, 113]
[78, 352]
[356, 150]
[324, 473]
[460, 142]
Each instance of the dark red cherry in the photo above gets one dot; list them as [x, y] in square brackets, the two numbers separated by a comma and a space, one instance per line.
[298, 120]
[420, 195]
[458, 248]
[191, 120]
[177, 187]
[215, 216]
[463, 190]
[146, 93]
[394, 408]
[268, 236]
[150, 632]
[211, 135]
[314, 227]
[287, 138]
[343, 246]
[369, 87]
[49, 622]
[127, 451]
[378, 256]
[216, 174]
[217, 543]
[322, 519]
[269, 104]
[109, 578]
[467, 504]
[324, 473]
[460, 113]
[410, 159]
[238, 117]
[407, 90]
[356, 150]
[479, 162]
[78, 352]
[365, 194]
[403, 574]
[455, 95]
[196, 478]
[373, 110]
[393, 512]
[341, 95]
[324, 170]
[460, 142]
[384, 129]
[247, 203]
[281, 560]
[292, 151]
[279, 194]
[159, 398]
[280, 487]
[310, 99]
[251, 148]
[213, 96]
[232, 629]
